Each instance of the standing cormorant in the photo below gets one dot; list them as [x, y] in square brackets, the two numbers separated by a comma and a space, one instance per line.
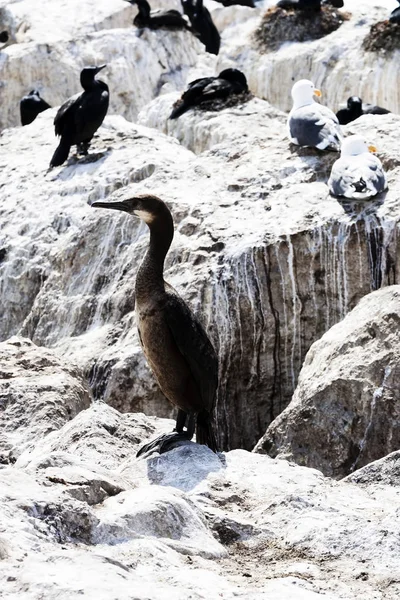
[202, 24]
[229, 81]
[79, 118]
[156, 19]
[395, 15]
[356, 108]
[175, 344]
[31, 105]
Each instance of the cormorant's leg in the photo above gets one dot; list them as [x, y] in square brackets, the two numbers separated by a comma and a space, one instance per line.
[180, 421]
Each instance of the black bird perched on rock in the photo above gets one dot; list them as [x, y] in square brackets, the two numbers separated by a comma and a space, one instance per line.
[157, 19]
[395, 15]
[229, 81]
[249, 3]
[79, 118]
[175, 344]
[4, 37]
[308, 5]
[31, 105]
[202, 24]
[356, 108]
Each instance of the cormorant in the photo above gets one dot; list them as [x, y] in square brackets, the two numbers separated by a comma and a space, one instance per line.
[175, 344]
[155, 19]
[395, 15]
[357, 174]
[249, 3]
[308, 5]
[304, 5]
[79, 118]
[312, 124]
[4, 37]
[31, 105]
[229, 81]
[202, 24]
[356, 108]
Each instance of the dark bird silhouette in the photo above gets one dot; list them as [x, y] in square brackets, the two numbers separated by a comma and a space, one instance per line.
[4, 37]
[308, 5]
[175, 344]
[303, 5]
[157, 19]
[395, 15]
[356, 108]
[79, 118]
[229, 81]
[202, 24]
[30, 106]
[249, 3]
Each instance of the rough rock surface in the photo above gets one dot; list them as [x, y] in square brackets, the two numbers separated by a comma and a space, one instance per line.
[336, 63]
[39, 393]
[346, 408]
[81, 516]
[261, 251]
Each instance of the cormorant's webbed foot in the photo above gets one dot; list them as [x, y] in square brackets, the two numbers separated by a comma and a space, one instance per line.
[83, 148]
[164, 443]
[168, 441]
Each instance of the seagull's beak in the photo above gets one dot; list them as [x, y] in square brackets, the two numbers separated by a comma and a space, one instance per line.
[317, 93]
[372, 148]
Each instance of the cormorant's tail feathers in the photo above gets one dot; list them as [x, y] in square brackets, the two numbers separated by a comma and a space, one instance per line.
[61, 154]
[205, 432]
[179, 110]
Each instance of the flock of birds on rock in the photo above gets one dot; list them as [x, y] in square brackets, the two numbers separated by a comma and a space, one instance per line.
[176, 346]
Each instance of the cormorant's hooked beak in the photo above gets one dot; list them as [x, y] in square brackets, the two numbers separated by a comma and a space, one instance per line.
[112, 205]
[317, 93]
[100, 68]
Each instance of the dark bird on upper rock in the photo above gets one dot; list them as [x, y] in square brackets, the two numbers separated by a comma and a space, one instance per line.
[249, 3]
[157, 19]
[229, 81]
[79, 118]
[356, 108]
[395, 15]
[202, 24]
[31, 105]
[4, 37]
[175, 344]
[308, 5]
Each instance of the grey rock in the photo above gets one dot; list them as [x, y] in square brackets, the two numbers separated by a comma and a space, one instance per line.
[345, 411]
[39, 393]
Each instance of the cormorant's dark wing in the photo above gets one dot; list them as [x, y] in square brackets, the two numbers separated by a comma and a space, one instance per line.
[65, 113]
[218, 88]
[195, 346]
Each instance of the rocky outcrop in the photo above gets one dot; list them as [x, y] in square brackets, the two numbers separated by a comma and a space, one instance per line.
[261, 252]
[39, 393]
[336, 63]
[345, 411]
[82, 516]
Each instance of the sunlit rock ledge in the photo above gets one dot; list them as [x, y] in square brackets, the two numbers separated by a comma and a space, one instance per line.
[265, 256]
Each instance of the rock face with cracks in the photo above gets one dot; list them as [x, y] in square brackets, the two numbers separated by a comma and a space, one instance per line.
[345, 411]
[261, 252]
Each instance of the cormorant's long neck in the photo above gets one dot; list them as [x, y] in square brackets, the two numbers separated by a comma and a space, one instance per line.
[150, 278]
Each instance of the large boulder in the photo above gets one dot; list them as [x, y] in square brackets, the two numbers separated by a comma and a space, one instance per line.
[346, 408]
